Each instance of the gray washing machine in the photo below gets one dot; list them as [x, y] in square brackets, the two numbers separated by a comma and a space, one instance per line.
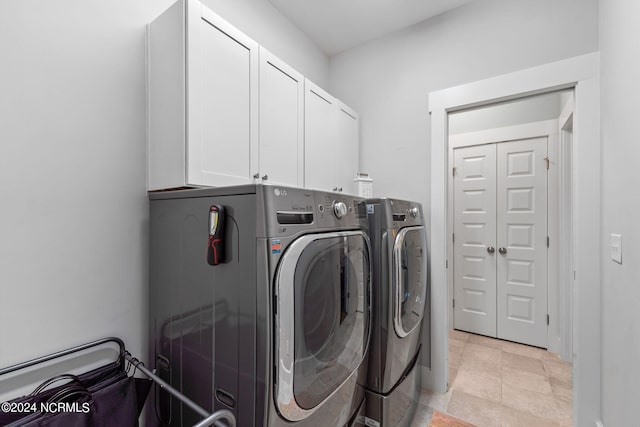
[399, 291]
[259, 302]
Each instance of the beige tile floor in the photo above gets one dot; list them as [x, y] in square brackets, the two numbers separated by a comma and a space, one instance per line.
[494, 383]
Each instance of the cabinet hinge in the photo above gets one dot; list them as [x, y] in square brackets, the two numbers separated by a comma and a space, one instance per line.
[454, 303]
[547, 241]
[454, 171]
[446, 264]
[453, 237]
[547, 320]
[547, 160]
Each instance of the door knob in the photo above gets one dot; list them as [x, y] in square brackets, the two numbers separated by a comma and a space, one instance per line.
[256, 175]
[265, 177]
[502, 251]
[491, 249]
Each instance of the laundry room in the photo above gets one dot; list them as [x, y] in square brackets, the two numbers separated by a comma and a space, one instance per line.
[281, 212]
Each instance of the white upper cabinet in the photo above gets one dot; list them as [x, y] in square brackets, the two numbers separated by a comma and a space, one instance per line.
[222, 107]
[347, 137]
[319, 138]
[281, 147]
[203, 100]
[224, 111]
[331, 142]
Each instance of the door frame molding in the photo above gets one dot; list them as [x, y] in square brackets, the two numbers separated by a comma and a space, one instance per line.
[565, 226]
[582, 74]
[549, 130]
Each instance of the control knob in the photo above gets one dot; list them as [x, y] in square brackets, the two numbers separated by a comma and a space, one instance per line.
[339, 209]
[413, 212]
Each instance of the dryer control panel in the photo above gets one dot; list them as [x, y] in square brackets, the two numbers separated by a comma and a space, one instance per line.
[290, 211]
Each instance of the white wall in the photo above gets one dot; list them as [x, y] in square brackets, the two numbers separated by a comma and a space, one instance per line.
[74, 209]
[620, 89]
[528, 110]
[73, 250]
[387, 81]
[266, 25]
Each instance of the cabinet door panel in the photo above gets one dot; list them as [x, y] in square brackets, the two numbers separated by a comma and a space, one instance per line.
[222, 103]
[319, 139]
[281, 121]
[347, 132]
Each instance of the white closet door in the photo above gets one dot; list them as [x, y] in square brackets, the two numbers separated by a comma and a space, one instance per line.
[281, 121]
[522, 241]
[475, 235]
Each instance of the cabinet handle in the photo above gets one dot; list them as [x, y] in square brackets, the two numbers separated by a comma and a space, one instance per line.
[491, 249]
[340, 189]
[502, 251]
[256, 175]
[265, 177]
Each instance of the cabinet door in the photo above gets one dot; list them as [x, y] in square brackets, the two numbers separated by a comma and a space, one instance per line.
[281, 154]
[346, 146]
[319, 138]
[222, 101]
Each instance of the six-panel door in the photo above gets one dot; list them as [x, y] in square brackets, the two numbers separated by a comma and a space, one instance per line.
[522, 241]
[475, 235]
[500, 245]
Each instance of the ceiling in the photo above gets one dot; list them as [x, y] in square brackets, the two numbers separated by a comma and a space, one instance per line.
[338, 25]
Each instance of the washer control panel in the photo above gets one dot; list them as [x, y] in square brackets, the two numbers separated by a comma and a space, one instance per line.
[339, 209]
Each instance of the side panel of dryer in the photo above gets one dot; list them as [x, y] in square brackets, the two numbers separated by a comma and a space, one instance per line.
[380, 300]
[202, 317]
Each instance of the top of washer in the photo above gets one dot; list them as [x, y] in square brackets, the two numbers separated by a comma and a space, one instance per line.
[396, 213]
[288, 210]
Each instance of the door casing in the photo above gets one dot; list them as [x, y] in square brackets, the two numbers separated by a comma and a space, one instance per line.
[582, 74]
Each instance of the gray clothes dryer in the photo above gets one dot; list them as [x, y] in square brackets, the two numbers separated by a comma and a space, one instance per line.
[400, 298]
[259, 303]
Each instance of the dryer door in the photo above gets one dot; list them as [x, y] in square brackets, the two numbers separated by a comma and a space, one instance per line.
[322, 318]
[409, 279]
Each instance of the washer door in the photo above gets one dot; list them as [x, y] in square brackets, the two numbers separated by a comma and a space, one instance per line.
[409, 279]
[322, 318]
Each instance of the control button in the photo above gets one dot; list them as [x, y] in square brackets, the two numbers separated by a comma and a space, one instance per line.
[339, 209]
[413, 212]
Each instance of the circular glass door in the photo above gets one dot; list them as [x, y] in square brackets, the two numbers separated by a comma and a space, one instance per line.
[410, 279]
[323, 316]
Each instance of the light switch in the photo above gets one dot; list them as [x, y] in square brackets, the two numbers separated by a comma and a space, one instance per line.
[616, 248]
